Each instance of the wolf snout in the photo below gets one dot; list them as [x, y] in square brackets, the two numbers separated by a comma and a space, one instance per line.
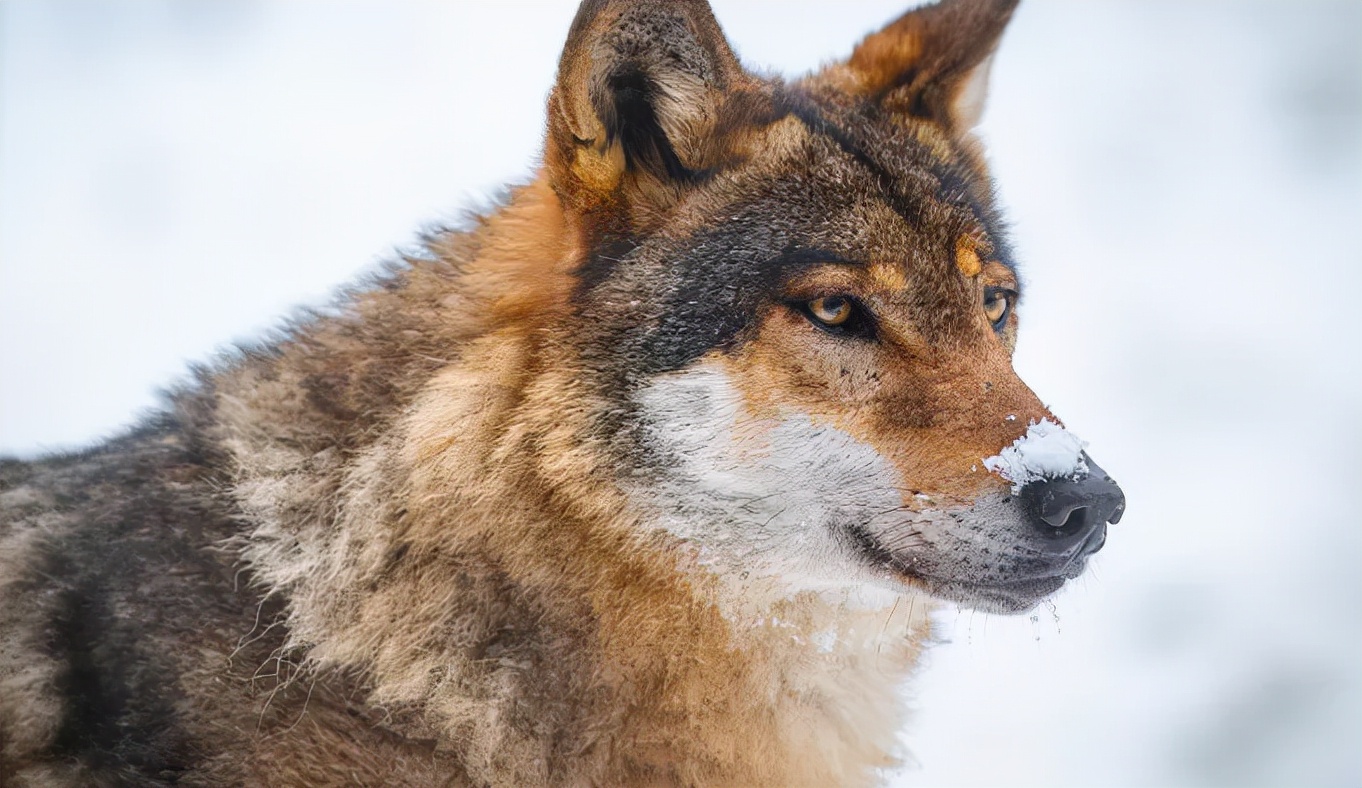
[1074, 511]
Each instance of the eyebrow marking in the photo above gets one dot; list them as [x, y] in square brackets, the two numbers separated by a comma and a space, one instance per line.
[889, 277]
[966, 259]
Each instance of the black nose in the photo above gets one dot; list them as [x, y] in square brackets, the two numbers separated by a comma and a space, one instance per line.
[1075, 511]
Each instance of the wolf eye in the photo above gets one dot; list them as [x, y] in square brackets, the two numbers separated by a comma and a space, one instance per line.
[997, 305]
[831, 310]
[839, 314]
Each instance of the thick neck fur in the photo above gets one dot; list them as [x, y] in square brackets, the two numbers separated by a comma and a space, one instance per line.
[426, 487]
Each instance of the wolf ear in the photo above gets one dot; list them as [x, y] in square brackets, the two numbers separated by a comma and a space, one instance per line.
[640, 86]
[930, 63]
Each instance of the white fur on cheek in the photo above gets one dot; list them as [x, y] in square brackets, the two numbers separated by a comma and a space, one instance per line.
[760, 499]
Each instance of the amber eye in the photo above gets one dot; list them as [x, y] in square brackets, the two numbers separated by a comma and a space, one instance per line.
[831, 310]
[997, 304]
[839, 315]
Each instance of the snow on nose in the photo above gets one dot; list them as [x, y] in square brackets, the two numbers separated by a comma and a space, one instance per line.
[1046, 451]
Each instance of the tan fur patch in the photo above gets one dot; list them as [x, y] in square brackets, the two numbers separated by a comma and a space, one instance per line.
[889, 277]
[966, 259]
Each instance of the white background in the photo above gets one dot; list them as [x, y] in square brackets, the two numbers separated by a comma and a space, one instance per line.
[1185, 182]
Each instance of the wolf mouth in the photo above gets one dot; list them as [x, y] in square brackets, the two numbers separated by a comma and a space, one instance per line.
[1010, 597]
[997, 592]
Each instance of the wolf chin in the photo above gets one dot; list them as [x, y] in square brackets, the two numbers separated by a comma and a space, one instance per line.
[650, 476]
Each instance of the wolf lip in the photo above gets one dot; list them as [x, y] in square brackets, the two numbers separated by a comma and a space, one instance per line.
[1016, 596]
[996, 596]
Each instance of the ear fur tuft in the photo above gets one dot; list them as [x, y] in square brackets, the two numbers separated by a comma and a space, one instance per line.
[931, 63]
[628, 111]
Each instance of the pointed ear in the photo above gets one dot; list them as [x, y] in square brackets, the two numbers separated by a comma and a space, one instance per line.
[640, 88]
[930, 63]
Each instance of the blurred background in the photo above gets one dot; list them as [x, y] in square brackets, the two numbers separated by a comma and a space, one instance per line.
[1185, 184]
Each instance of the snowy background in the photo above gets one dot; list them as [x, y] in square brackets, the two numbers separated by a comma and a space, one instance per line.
[1185, 180]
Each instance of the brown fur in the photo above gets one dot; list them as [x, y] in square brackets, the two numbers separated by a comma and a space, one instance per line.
[440, 577]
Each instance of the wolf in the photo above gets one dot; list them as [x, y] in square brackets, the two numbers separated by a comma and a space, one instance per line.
[648, 476]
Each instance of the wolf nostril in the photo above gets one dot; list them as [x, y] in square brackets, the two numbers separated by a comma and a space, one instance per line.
[1070, 511]
[1058, 511]
[1078, 518]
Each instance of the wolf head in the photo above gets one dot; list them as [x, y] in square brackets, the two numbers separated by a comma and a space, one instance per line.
[802, 298]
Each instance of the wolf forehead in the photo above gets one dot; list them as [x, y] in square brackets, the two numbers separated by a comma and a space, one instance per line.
[817, 183]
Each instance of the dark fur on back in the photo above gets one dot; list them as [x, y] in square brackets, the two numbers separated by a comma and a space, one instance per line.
[108, 669]
[136, 650]
[125, 527]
